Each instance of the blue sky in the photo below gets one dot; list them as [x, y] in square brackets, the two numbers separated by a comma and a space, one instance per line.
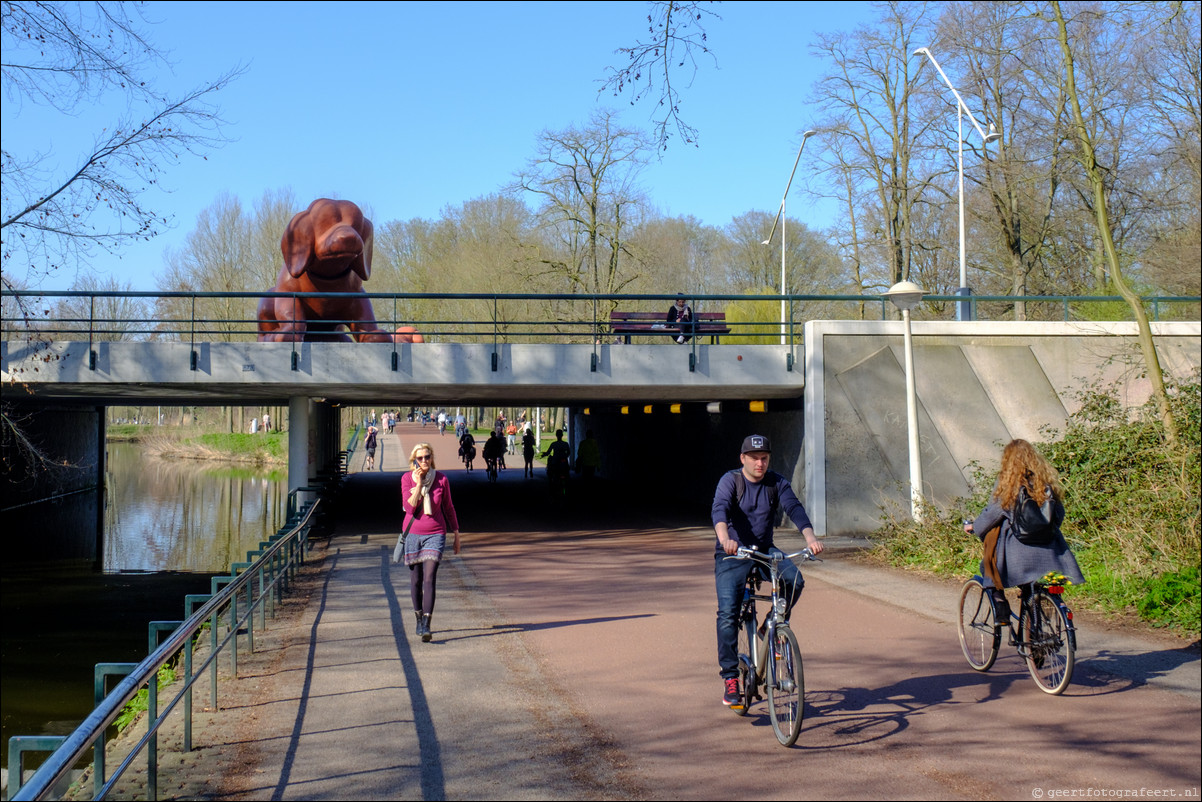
[407, 108]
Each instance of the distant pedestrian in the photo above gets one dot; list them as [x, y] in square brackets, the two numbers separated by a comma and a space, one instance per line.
[528, 450]
[429, 515]
[267, 421]
[369, 446]
[588, 456]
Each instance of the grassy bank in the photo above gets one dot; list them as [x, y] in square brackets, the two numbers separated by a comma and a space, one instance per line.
[1132, 514]
[169, 442]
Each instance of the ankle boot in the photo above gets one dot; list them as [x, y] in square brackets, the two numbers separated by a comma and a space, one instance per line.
[424, 629]
[418, 614]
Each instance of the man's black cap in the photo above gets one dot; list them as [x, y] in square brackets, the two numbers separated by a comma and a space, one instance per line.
[756, 442]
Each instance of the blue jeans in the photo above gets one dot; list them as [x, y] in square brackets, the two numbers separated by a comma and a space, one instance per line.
[730, 576]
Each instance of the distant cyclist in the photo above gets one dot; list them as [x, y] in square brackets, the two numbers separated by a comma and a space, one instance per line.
[745, 505]
[467, 449]
[560, 457]
[494, 447]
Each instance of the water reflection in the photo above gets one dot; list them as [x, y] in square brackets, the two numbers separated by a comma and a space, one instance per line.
[169, 525]
[185, 515]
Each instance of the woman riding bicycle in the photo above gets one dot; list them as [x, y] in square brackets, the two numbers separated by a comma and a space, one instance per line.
[1006, 560]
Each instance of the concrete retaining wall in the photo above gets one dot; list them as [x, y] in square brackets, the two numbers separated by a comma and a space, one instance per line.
[979, 385]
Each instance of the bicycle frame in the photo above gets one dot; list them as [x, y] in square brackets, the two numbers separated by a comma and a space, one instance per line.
[774, 662]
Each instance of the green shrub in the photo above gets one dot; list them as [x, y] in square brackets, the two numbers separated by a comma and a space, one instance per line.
[141, 701]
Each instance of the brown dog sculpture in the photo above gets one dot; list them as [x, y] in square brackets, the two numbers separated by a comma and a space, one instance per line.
[327, 248]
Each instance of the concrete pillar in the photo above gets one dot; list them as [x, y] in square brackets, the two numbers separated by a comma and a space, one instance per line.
[301, 445]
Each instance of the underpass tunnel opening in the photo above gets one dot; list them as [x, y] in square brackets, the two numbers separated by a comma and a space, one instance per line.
[654, 455]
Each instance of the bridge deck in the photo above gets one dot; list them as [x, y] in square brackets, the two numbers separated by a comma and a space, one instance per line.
[424, 373]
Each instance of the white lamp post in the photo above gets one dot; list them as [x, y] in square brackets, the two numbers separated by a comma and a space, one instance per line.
[964, 306]
[780, 218]
[906, 295]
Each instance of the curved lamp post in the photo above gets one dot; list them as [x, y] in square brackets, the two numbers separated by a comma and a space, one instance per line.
[780, 218]
[963, 307]
[906, 295]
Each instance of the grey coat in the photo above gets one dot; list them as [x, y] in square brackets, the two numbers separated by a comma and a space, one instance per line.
[1018, 563]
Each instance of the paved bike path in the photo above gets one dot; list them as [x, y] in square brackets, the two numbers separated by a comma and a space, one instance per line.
[578, 664]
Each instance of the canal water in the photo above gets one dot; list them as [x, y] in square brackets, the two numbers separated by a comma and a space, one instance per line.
[169, 526]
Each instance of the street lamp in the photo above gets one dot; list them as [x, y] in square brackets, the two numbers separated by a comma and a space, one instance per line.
[906, 295]
[780, 218]
[964, 306]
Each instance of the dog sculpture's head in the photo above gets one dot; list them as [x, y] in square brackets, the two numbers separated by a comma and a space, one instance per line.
[329, 240]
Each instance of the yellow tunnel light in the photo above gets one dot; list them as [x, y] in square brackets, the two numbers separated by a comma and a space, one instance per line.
[625, 410]
[674, 409]
[586, 412]
[758, 406]
[647, 410]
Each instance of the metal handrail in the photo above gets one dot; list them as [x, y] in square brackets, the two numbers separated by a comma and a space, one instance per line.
[90, 733]
[590, 320]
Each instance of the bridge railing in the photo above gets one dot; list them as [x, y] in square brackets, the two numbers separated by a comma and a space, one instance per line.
[252, 588]
[512, 317]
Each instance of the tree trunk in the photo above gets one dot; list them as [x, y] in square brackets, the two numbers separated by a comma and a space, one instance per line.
[1102, 218]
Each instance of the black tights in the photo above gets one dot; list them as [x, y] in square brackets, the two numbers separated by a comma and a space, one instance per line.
[421, 585]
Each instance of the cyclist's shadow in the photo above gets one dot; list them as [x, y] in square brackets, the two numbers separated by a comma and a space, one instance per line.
[856, 716]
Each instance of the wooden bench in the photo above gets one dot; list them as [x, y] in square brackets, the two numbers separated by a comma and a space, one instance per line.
[625, 324]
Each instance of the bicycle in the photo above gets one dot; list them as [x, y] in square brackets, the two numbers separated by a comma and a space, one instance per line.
[781, 677]
[490, 464]
[1046, 639]
[557, 475]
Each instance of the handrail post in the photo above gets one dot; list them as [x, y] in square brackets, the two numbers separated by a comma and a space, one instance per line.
[155, 629]
[101, 672]
[191, 601]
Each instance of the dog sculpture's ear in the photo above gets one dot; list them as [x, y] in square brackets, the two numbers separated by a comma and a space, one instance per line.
[297, 243]
[362, 263]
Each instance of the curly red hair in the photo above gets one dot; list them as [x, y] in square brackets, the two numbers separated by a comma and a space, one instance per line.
[1023, 466]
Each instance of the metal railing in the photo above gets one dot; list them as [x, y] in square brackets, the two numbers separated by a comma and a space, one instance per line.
[261, 581]
[514, 317]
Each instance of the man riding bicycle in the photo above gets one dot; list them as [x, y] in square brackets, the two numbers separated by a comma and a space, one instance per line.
[744, 508]
[560, 457]
[494, 447]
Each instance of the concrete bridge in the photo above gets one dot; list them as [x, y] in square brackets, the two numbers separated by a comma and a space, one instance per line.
[671, 416]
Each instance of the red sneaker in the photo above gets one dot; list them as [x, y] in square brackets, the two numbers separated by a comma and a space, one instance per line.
[731, 697]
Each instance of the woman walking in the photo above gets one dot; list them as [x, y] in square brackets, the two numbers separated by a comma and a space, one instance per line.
[429, 515]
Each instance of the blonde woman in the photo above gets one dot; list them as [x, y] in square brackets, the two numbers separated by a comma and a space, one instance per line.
[429, 515]
[1008, 562]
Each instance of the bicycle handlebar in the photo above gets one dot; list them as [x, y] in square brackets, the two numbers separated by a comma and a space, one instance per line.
[745, 553]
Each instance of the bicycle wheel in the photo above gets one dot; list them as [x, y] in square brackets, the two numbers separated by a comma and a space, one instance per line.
[746, 663]
[1048, 643]
[980, 634]
[786, 686]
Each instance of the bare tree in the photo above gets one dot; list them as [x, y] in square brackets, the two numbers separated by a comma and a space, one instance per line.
[586, 182]
[676, 36]
[680, 253]
[214, 259]
[868, 91]
[66, 56]
[108, 313]
[1087, 156]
